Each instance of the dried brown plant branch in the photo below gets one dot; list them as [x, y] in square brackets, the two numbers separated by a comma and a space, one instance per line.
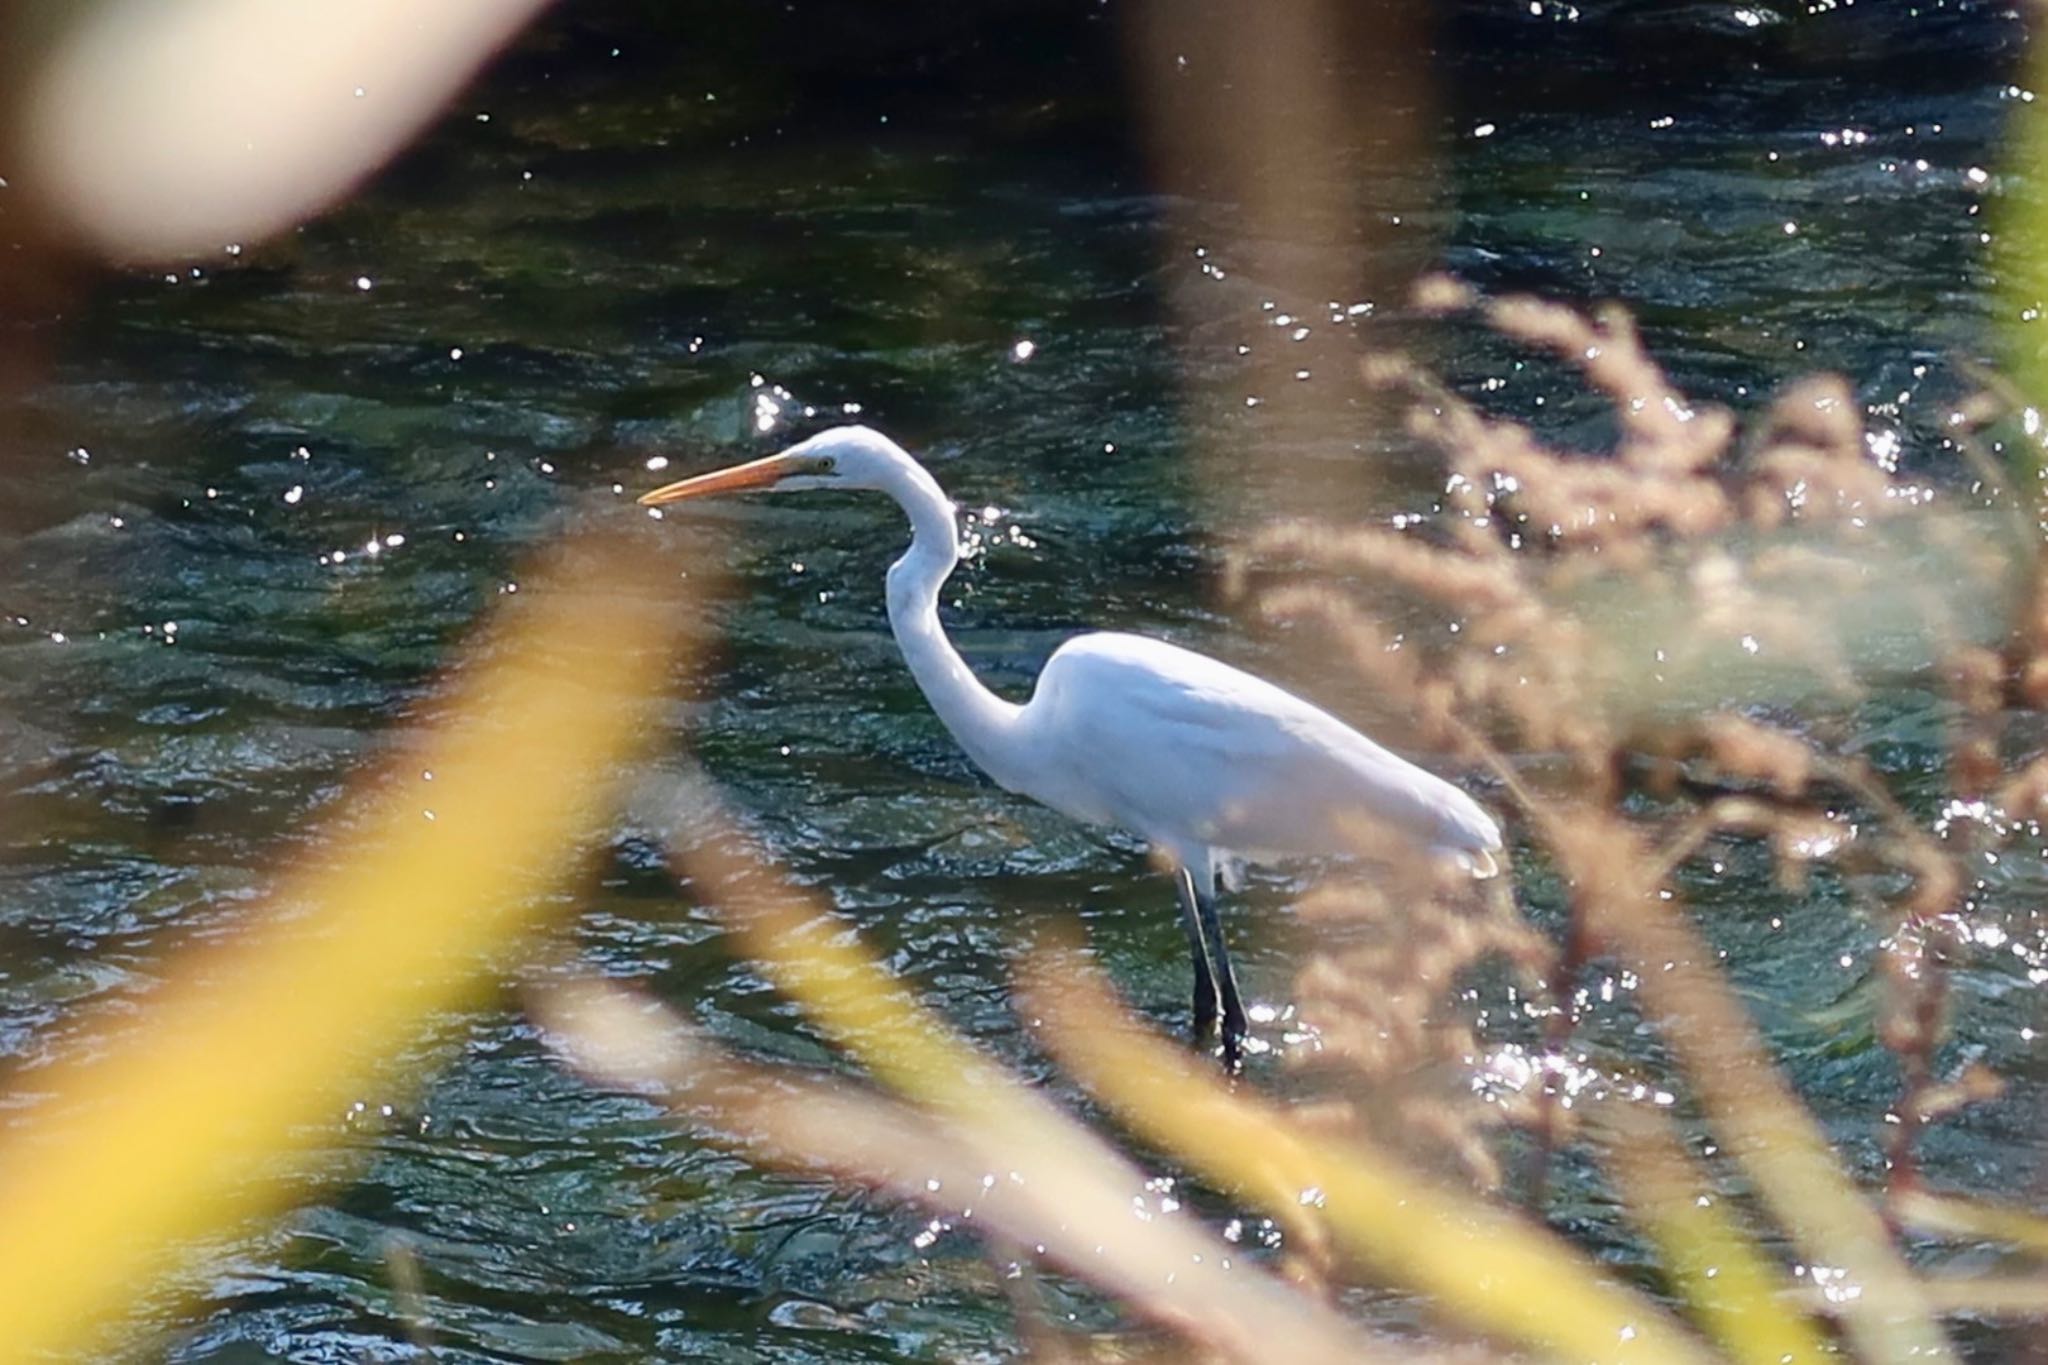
[1622, 620]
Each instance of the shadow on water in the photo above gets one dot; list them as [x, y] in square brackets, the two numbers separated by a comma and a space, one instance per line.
[255, 501]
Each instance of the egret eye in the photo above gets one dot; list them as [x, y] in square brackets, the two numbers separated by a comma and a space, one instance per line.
[824, 464]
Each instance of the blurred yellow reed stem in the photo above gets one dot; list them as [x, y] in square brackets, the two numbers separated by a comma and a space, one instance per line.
[1064, 1189]
[1705, 1253]
[1481, 1267]
[1762, 1126]
[1968, 1292]
[1049, 1185]
[1951, 1216]
[167, 1124]
[1996, 1296]
[816, 960]
[2020, 229]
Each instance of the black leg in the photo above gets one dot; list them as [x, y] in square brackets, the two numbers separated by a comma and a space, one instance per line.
[1226, 976]
[1206, 997]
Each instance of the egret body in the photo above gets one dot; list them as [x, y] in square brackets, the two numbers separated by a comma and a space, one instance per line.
[1202, 760]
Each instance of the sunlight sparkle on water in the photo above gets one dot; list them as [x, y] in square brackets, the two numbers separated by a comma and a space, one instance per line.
[1976, 811]
[1513, 1069]
[773, 404]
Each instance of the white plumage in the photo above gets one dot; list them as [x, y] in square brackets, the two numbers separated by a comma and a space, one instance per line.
[1204, 761]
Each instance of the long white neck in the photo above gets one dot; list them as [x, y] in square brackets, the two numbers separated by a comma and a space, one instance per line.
[985, 724]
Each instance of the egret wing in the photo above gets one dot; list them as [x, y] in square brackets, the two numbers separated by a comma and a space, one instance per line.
[1189, 751]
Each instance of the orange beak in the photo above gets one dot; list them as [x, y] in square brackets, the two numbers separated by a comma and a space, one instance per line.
[762, 473]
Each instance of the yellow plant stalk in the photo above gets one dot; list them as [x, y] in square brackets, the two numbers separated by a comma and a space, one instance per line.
[1058, 1190]
[1764, 1127]
[2005, 1296]
[1946, 1215]
[168, 1126]
[1481, 1267]
[2020, 228]
[1706, 1254]
[1049, 1171]
[813, 958]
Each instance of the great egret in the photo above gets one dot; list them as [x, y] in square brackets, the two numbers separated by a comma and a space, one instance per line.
[1202, 760]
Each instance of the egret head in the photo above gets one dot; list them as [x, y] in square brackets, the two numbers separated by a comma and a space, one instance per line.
[844, 457]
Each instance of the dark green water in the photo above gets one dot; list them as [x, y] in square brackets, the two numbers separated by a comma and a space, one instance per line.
[619, 263]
